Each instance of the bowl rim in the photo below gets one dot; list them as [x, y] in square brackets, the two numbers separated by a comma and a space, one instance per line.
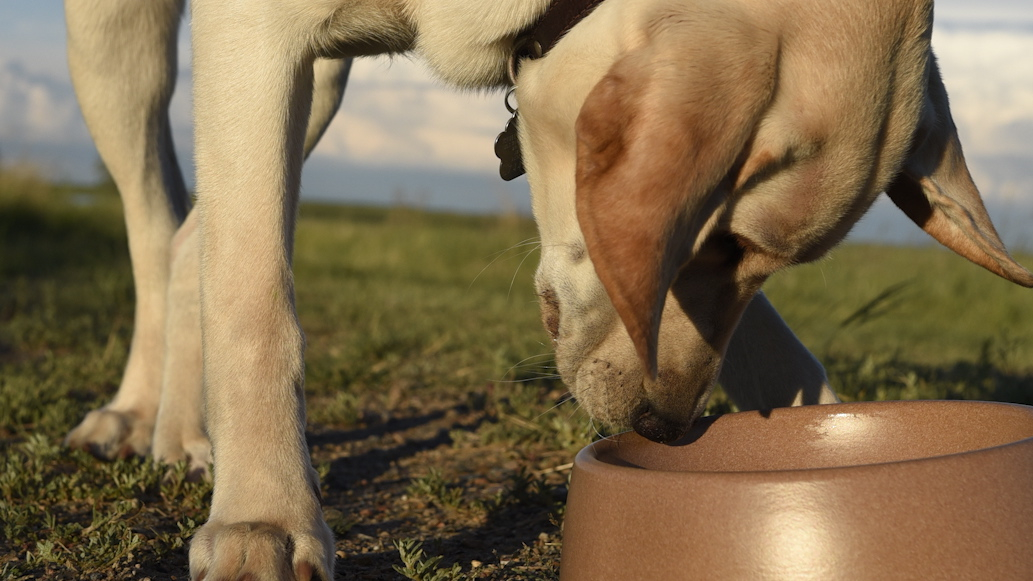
[587, 459]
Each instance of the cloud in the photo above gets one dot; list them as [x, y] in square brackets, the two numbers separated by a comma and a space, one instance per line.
[37, 108]
[967, 12]
[395, 114]
[989, 77]
[988, 73]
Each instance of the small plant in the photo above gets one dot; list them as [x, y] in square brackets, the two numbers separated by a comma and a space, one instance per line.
[419, 567]
[434, 487]
[528, 488]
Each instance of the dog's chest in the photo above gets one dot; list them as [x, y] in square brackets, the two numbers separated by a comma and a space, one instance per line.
[468, 42]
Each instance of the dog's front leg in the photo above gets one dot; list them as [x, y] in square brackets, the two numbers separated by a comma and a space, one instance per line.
[766, 366]
[179, 433]
[253, 89]
[122, 59]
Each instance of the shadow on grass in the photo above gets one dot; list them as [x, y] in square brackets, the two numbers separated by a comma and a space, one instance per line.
[332, 436]
[866, 378]
[513, 528]
[376, 512]
[353, 470]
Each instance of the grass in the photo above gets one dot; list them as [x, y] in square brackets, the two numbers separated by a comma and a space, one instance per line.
[912, 323]
[437, 424]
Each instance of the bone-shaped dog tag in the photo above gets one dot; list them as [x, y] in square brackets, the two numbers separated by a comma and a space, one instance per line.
[507, 149]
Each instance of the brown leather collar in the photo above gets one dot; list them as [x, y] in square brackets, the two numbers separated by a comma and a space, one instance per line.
[540, 37]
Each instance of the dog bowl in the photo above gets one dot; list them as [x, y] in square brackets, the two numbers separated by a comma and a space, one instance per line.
[876, 490]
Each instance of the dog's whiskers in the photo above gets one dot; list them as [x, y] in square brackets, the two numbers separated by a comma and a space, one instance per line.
[529, 379]
[522, 261]
[498, 255]
[564, 399]
[532, 368]
[524, 362]
[595, 428]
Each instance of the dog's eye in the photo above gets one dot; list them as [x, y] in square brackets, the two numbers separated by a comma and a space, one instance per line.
[729, 252]
[724, 250]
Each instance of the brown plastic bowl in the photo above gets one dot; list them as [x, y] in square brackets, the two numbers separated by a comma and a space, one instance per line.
[877, 490]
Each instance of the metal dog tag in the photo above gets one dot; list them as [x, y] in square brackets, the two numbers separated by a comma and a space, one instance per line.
[507, 149]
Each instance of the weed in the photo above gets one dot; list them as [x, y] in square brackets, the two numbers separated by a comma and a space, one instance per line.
[434, 487]
[419, 567]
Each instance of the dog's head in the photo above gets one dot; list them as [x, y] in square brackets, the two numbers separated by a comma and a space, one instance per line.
[712, 153]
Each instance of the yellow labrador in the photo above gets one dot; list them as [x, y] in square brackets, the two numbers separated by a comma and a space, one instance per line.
[679, 152]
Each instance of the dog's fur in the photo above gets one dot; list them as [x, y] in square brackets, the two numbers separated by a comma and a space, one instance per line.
[679, 152]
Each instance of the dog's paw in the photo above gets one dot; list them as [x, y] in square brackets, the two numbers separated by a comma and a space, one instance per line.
[110, 434]
[261, 552]
[172, 446]
[197, 453]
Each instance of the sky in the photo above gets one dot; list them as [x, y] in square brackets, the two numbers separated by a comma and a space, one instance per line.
[402, 137]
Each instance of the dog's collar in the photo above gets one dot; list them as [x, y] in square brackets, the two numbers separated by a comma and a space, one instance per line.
[538, 39]
[534, 43]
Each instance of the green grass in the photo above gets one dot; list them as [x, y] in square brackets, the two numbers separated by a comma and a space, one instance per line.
[912, 323]
[435, 419]
[926, 304]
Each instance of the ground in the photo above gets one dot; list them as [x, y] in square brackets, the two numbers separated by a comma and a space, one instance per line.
[442, 435]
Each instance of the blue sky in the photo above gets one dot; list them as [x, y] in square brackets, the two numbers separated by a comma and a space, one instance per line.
[401, 136]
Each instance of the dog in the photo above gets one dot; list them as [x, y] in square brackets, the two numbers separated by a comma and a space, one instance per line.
[679, 152]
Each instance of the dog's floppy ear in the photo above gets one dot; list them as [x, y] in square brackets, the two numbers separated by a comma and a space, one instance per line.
[936, 190]
[656, 138]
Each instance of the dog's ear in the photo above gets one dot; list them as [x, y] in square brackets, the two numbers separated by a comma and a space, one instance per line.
[936, 190]
[656, 138]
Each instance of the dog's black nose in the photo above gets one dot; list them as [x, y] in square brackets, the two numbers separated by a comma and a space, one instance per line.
[649, 424]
